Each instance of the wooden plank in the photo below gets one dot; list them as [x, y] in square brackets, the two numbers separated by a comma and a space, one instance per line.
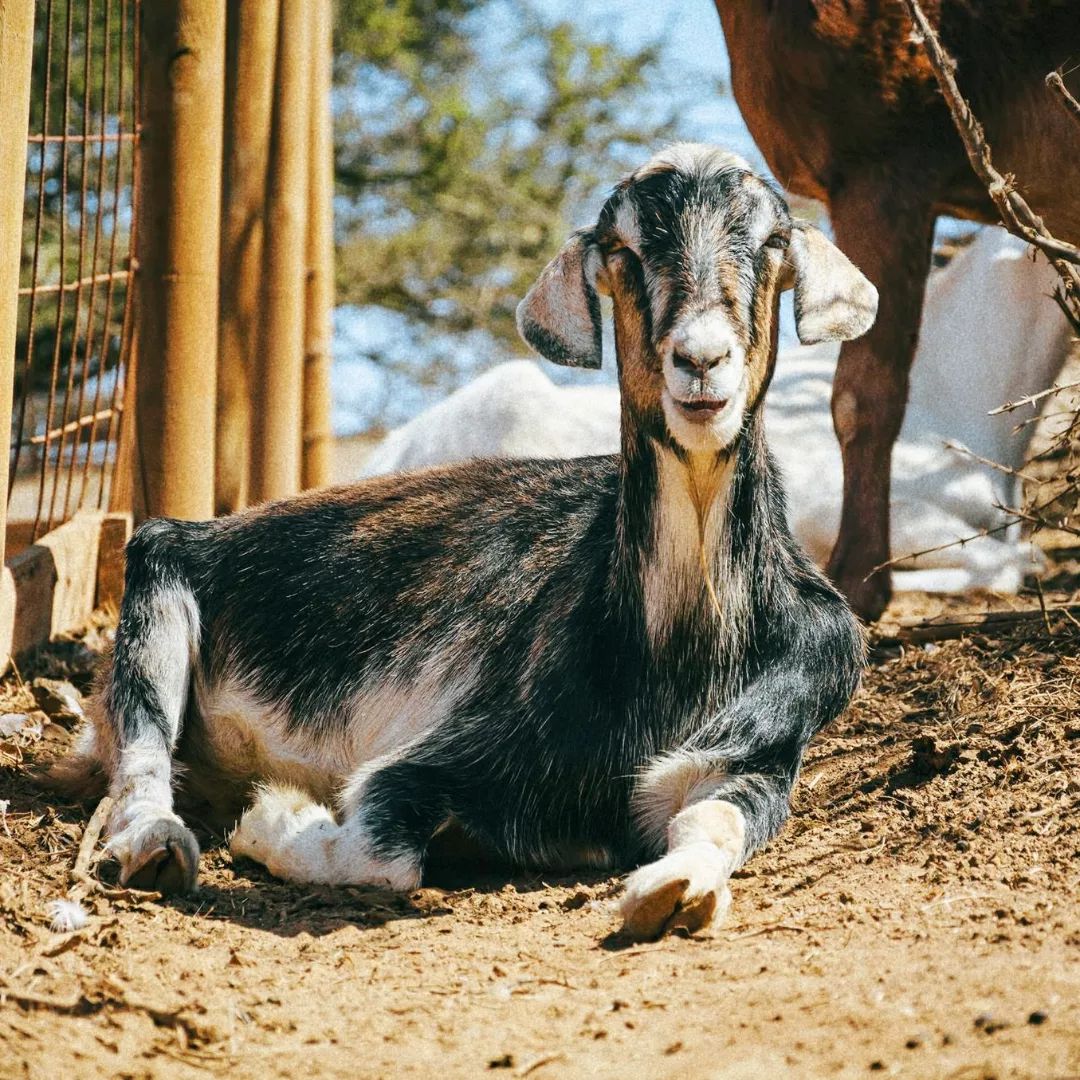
[55, 582]
[54, 585]
[115, 533]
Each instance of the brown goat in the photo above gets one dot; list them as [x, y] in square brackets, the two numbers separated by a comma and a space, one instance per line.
[843, 104]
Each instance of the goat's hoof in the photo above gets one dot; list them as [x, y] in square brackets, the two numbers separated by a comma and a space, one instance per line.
[685, 890]
[162, 857]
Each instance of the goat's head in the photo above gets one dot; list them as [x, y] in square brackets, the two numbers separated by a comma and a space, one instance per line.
[694, 250]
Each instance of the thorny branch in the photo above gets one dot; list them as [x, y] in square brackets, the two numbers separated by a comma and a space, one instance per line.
[1015, 212]
[1031, 399]
[1068, 102]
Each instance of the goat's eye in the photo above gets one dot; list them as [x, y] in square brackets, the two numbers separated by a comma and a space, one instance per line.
[779, 241]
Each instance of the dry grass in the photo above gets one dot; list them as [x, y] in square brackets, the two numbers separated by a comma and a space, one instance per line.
[913, 919]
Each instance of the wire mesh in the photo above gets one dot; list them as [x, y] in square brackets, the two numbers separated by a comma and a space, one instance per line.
[76, 280]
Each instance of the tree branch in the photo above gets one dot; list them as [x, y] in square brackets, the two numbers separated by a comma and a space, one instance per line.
[1067, 101]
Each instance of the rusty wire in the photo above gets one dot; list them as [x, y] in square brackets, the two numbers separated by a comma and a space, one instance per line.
[76, 286]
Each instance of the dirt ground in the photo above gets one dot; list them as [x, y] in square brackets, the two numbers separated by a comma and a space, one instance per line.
[917, 918]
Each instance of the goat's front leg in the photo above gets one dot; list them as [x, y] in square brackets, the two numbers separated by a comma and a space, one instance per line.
[889, 238]
[710, 820]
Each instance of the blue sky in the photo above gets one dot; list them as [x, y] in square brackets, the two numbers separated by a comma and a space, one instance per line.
[691, 30]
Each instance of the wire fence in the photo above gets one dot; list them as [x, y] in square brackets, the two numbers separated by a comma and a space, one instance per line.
[76, 288]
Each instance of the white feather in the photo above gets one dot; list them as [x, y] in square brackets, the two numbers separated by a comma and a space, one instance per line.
[66, 915]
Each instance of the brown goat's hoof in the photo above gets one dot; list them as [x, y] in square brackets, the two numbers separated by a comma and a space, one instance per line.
[166, 860]
[685, 890]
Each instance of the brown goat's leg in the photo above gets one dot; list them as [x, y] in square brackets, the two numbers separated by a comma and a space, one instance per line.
[890, 240]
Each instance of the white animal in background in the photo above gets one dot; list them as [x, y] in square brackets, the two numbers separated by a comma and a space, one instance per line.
[990, 334]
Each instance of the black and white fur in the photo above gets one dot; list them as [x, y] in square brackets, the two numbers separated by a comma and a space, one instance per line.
[607, 661]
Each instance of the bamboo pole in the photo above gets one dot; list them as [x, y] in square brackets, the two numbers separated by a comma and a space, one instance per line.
[318, 439]
[279, 373]
[16, 59]
[251, 47]
[178, 237]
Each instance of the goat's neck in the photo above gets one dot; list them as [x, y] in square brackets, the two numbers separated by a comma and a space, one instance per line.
[678, 554]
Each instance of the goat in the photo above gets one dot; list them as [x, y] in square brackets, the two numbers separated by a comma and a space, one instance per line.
[614, 659]
[844, 107]
[985, 310]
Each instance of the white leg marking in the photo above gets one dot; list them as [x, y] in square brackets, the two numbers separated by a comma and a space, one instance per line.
[154, 847]
[669, 784]
[687, 887]
[299, 840]
[145, 834]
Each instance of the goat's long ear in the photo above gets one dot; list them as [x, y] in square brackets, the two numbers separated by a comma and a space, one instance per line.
[833, 301]
[560, 315]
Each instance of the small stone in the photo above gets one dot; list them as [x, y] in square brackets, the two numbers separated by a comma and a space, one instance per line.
[1038, 1017]
[13, 723]
[58, 699]
[27, 725]
[877, 1066]
[504, 1062]
[578, 900]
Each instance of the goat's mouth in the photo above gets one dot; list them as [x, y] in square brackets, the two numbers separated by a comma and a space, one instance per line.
[701, 410]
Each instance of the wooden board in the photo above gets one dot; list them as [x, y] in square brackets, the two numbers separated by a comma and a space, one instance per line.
[54, 585]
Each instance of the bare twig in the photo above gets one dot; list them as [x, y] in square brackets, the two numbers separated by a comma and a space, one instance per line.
[536, 1063]
[768, 929]
[90, 837]
[1032, 398]
[1042, 607]
[961, 449]
[1034, 518]
[1067, 101]
[962, 542]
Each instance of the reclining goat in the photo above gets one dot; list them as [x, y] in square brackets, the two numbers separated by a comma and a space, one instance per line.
[606, 661]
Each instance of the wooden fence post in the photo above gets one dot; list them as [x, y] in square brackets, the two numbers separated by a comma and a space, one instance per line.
[279, 369]
[178, 237]
[16, 58]
[251, 48]
[318, 316]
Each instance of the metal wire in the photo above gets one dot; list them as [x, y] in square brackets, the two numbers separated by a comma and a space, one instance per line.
[77, 280]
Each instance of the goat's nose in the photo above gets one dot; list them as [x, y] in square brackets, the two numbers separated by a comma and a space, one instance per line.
[699, 362]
